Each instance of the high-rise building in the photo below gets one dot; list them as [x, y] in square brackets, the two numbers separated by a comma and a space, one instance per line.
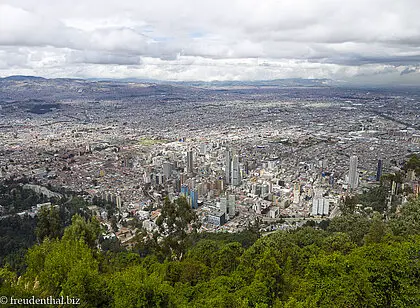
[246, 168]
[167, 169]
[184, 190]
[223, 205]
[254, 189]
[203, 149]
[183, 178]
[353, 174]
[118, 202]
[217, 218]
[320, 205]
[228, 167]
[296, 193]
[265, 190]
[331, 179]
[159, 178]
[194, 199]
[231, 206]
[379, 170]
[176, 184]
[236, 174]
[190, 162]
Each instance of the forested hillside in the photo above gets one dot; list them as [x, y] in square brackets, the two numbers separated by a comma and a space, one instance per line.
[355, 261]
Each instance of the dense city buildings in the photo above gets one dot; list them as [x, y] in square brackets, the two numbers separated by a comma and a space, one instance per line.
[280, 155]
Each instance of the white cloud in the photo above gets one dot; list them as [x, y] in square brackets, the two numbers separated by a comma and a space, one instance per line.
[188, 39]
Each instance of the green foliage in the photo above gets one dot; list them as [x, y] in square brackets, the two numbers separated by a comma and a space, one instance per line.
[337, 281]
[48, 225]
[175, 221]
[81, 229]
[338, 242]
[407, 222]
[246, 238]
[226, 259]
[16, 236]
[135, 288]
[356, 262]
[355, 225]
[348, 207]
[376, 198]
[377, 230]
[188, 272]
[14, 198]
[413, 164]
[65, 268]
[392, 269]
[204, 251]
[20, 232]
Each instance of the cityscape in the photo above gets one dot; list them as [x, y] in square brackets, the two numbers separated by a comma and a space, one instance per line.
[200, 154]
[282, 155]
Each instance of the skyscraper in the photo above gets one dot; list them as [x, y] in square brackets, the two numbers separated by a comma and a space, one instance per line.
[236, 175]
[194, 199]
[331, 180]
[167, 169]
[379, 170]
[296, 193]
[353, 174]
[228, 167]
[118, 202]
[231, 206]
[203, 149]
[224, 205]
[190, 162]
[184, 190]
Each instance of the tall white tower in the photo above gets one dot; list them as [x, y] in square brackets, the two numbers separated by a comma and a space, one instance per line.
[236, 175]
[296, 193]
[353, 174]
[228, 167]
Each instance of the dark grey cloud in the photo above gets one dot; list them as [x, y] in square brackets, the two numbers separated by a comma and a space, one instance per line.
[95, 57]
[409, 70]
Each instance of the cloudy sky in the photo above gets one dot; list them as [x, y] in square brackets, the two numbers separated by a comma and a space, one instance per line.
[373, 41]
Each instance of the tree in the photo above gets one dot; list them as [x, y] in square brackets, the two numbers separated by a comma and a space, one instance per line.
[176, 220]
[254, 227]
[81, 229]
[65, 268]
[377, 230]
[204, 251]
[407, 222]
[135, 288]
[187, 271]
[226, 259]
[355, 225]
[337, 281]
[375, 198]
[413, 164]
[338, 241]
[48, 225]
[270, 275]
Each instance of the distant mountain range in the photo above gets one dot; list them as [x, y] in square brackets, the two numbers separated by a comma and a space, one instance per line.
[291, 82]
[22, 77]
